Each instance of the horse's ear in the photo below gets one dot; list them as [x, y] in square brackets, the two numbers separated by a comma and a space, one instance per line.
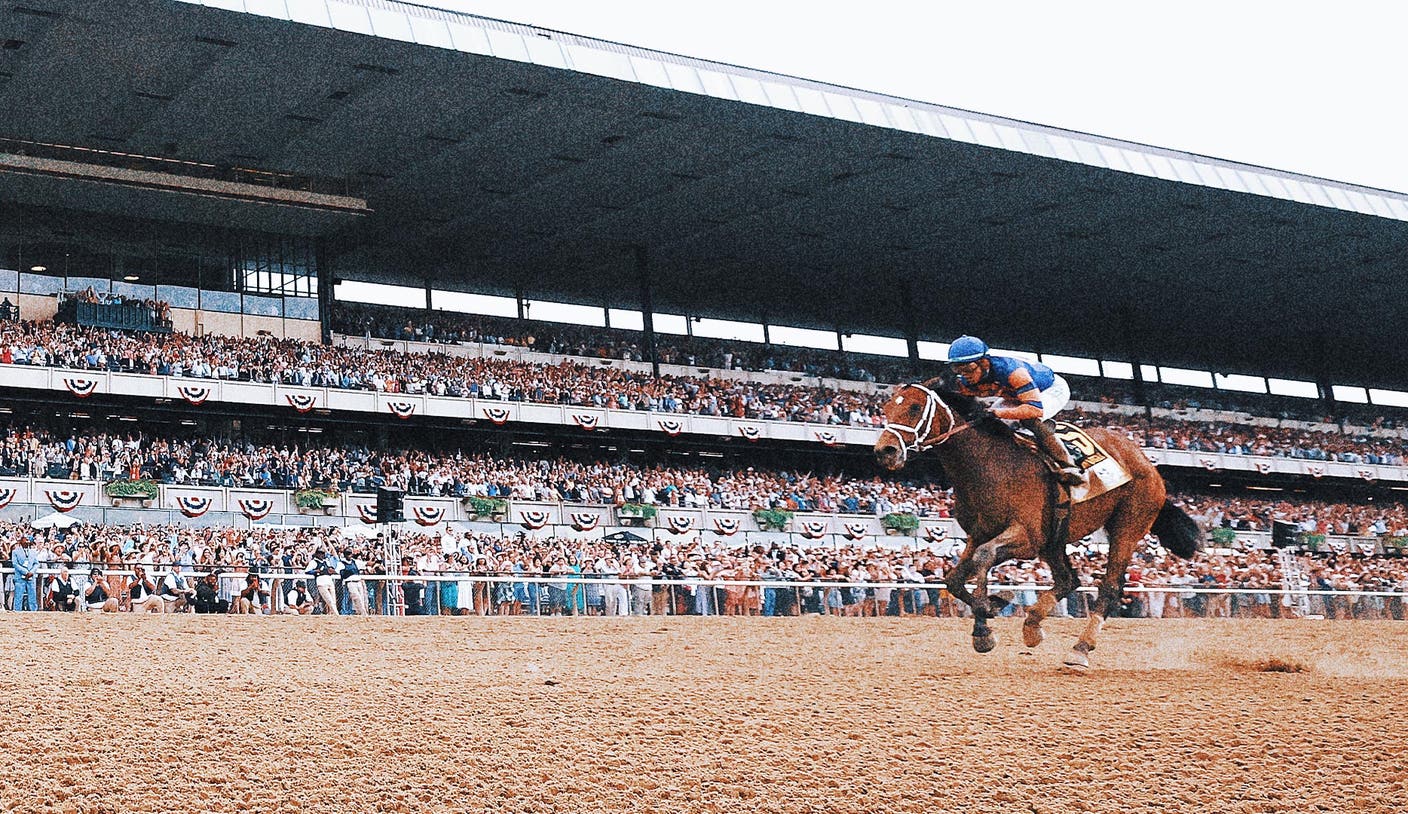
[939, 382]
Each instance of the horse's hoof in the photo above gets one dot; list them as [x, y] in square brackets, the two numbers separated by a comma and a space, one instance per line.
[1032, 635]
[1077, 661]
[984, 643]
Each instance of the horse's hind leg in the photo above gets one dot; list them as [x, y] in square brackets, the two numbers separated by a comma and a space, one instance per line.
[982, 558]
[1063, 579]
[1126, 528]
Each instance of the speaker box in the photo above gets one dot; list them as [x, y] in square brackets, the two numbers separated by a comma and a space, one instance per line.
[1283, 534]
[390, 505]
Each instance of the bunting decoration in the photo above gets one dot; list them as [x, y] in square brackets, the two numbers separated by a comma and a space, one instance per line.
[812, 529]
[367, 512]
[302, 402]
[1207, 462]
[255, 508]
[750, 431]
[534, 519]
[585, 521]
[1366, 474]
[855, 529]
[1154, 456]
[1264, 467]
[586, 421]
[670, 426]
[498, 415]
[828, 438]
[65, 500]
[679, 524]
[428, 515]
[7, 495]
[194, 394]
[1315, 470]
[83, 388]
[194, 505]
[725, 526]
[936, 534]
[401, 409]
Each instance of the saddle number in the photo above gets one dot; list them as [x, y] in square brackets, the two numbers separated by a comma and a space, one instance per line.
[1084, 451]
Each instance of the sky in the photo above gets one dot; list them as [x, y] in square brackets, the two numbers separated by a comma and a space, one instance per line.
[1307, 88]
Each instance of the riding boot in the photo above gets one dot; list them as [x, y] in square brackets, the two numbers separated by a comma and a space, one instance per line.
[1048, 443]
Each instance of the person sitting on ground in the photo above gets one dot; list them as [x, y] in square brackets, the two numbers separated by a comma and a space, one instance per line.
[207, 595]
[1028, 392]
[297, 600]
[142, 592]
[62, 595]
[252, 597]
[97, 595]
[176, 591]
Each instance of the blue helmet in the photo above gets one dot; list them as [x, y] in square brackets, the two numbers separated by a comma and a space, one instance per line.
[967, 349]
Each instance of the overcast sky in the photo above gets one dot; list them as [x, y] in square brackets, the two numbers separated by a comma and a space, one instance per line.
[1309, 88]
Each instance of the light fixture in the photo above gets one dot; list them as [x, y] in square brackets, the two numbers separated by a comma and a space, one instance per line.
[38, 268]
[131, 278]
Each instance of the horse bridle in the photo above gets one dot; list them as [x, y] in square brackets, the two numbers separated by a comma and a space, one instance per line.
[920, 429]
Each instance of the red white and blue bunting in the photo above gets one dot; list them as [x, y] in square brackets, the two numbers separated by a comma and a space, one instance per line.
[193, 505]
[1154, 456]
[428, 515]
[679, 523]
[302, 402]
[1367, 474]
[195, 394]
[725, 526]
[83, 388]
[670, 426]
[65, 500]
[855, 529]
[534, 519]
[498, 415]
[812, 529]
[750, 431]
[828, 438]
[1264, 467]
[585, 521]
[1315, 470]
[1207, 462]
[367, 512]
[936, 534]
[7, 495]
[255, 508]
[586, 421]
[401, 409]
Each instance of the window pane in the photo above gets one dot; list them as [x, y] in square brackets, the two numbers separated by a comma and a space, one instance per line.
[391, 25]
[650, 72]
[937, 351]
[728, 329]
[627, 320]
[749, 90]
[565, 312]
[1389, 398]
[1074, 365]
[434, 33]
[601, 63]
[349, 18]
[811, 101]
[957, 128]
[871, 113]
[378, 294]
[1183, 376]
[1117, 370]
[466, 303]
[310, 14]
[841, 107]
[1112, 157]
[470, 39]
[1010, 137]
[684, 78]
[1149, 373]
[507, 46]
[268, 8]
[544, 51]
[779, 95]
[670, 324]
[879, 345]
[1355, 395]
[716, 84]
[984, 134]
[1245, 384]
[802, 337]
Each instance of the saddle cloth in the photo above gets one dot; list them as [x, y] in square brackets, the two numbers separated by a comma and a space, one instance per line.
[1102, 471]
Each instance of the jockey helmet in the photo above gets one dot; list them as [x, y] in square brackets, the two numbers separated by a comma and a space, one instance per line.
[967, 349]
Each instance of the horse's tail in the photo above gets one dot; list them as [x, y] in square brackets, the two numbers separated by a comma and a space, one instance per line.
[1177, 531]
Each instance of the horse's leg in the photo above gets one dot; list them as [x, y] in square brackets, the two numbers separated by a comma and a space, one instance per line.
[1125, 528]
[1063, 579]
[983, 558]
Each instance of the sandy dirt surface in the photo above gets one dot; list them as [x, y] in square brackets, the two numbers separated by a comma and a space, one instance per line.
[313, 714]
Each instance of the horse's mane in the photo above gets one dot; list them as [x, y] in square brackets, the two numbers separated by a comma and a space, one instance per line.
[969, 408]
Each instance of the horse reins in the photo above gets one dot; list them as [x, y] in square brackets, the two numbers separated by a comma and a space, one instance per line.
[920, 429]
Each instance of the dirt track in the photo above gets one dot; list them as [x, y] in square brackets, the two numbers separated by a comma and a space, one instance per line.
[139, 713]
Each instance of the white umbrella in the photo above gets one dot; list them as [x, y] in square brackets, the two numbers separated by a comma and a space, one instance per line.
[56, 520]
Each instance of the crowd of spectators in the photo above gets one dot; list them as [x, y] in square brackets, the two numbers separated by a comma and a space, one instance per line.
[275, 571]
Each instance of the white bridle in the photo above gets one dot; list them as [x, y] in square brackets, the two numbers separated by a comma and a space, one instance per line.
[920, 429]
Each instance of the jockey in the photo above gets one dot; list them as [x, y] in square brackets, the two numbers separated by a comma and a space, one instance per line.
[1029, 393]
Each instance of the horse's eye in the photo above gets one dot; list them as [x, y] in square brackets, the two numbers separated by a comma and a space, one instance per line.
[914, 409]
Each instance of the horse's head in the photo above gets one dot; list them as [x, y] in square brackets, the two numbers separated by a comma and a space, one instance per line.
[916, 418]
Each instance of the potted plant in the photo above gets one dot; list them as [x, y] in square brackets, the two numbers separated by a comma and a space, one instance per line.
[635, 514]
[311, 501]
[490, 507]
[900, 523]
[772, 519]
[1312, 542]
[1395, 546]
[1224, 537]
[139, 492]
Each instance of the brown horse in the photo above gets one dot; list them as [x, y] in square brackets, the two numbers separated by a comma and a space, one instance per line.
[1002, 500]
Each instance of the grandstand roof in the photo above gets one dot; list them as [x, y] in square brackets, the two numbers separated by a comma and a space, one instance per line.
[496, 156]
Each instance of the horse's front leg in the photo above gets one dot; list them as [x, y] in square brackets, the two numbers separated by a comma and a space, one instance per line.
[1064, 582]
[980, 560]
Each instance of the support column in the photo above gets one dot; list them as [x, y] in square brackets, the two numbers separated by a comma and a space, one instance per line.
[325, 284]
[1140, 393]
[647, 307]
[522, 305]
[911, 328]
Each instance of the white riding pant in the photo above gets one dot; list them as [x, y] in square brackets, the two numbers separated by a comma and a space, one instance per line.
[1053, 399]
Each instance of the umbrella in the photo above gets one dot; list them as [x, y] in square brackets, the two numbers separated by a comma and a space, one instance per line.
[624, 537]
[56, 520]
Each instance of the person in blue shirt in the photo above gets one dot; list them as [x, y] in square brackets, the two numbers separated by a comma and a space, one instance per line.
[1027, 392]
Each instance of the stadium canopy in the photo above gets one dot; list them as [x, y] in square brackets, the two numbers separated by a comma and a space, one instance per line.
[471, 154]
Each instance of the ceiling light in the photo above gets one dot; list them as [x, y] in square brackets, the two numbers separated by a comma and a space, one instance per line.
[38, 268]
[131, 278]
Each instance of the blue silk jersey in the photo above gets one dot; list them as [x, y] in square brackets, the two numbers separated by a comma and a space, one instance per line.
[1012, 379]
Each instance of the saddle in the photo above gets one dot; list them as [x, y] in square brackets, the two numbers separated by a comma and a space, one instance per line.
[1102, 472]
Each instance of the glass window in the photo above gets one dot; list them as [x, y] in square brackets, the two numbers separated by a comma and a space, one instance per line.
[650, 72]
[1010, 138]
[670, 324]
[749, 90]
[9, 280]
[716, 84]
[1064, 148]
[1024, 355]
[627, 319]
[1185, 377]
[311, 14]
[684, 78]
[1317, 194]
[1353, 395]
[1378, 205]
[434, 33]
[1292, 387]
[1274, 187]
[871, 112]
[1036, 143]
[937, 351]
[902, 118]
[1117, 370]
[781, 96]
[1183, 169]
[802, 337]
[728, 329]
[1149, 373]
[593, 315]
[1113, 157]
[929, 122]
[877, 345]
[1252, 181]
[466, 303]
[984, 134]
[1296, 190]
[268, 8]
[179, 296]
[1389, 398]
[601, 63]
[1245, 384]
[391, 25]
[1230, 178]
[40, 284]
[262, 306]
[545, 51]
[227, 302]
[1337, 196]
[228, 5]
[301, 308]
[381, 294]
[349, 18]
[1397, 209]
[811, 101]
[1074, 365]
[1207, 175]
[506, 45]
[957, 128]
[1358, 202]
[1089, 153]
[470, 39]
[1137, 162]
[841, 107]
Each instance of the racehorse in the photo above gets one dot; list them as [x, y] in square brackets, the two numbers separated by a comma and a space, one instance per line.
[1002, 500]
